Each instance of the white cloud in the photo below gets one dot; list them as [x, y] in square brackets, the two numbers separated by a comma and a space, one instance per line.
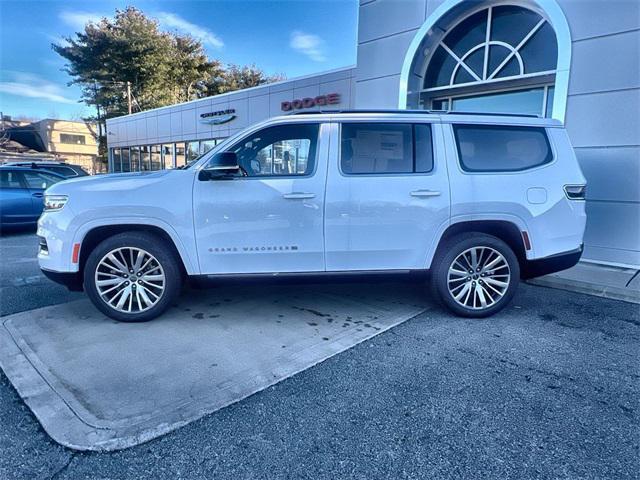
[29, 85]
[168, 20]
[58, 40]
[171, 20]
[310, 45]
[78, 20]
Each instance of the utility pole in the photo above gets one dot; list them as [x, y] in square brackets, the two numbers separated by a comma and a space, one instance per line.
[129, 95]
[95, 91]
[100, 137]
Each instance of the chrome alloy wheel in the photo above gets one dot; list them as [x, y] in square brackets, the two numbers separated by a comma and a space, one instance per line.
[130, 280]
[478, 278]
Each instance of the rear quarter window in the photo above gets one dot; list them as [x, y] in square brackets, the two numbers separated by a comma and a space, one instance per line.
[501, 148]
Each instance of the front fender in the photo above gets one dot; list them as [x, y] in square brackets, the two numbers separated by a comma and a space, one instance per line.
[185, 251]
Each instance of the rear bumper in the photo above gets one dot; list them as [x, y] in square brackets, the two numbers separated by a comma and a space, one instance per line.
[551, 264]
[71, 280]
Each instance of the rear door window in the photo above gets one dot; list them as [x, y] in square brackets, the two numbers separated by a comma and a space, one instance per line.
[386, 148]
[39, 180]
[501, 148]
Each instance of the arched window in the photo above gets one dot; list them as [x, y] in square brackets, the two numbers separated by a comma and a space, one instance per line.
[499, 59]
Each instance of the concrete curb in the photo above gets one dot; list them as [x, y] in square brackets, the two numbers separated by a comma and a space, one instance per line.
[588, 288]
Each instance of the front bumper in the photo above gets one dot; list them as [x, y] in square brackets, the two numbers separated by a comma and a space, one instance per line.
[56, 235]
[551, 264]
[71, 280]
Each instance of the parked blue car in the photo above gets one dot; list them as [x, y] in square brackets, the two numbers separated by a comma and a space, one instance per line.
[21, 192]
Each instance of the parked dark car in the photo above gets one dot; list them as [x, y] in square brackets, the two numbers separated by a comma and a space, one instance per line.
[21, 194]
[61, 168]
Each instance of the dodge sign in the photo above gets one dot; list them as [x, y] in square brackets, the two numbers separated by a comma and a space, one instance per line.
[309, 102]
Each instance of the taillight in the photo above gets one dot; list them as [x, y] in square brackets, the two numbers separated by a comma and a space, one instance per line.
[575, 192]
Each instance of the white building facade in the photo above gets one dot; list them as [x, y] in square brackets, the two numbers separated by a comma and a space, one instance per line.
[574, 60]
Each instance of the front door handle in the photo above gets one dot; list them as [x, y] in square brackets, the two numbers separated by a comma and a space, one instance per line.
[298, 195]
[425, 193]
[37, 195]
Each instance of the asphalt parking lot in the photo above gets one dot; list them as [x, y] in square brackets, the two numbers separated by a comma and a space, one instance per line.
[549, 388]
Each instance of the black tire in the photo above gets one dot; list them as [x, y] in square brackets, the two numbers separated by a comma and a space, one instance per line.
[164, 256]
[440, 279]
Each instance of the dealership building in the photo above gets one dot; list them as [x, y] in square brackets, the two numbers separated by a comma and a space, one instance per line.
[575, 61]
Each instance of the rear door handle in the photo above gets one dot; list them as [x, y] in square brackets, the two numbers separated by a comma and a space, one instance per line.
[37, 195]
[298, 195]
[425, 193]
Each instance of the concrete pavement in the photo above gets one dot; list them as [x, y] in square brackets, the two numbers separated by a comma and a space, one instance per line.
[96, 384]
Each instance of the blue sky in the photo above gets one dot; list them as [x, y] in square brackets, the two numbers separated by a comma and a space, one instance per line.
[294, 38]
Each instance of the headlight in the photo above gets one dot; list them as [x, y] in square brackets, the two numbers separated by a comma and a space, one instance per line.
[54, 202]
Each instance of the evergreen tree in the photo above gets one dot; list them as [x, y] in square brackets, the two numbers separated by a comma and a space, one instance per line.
[161, 68]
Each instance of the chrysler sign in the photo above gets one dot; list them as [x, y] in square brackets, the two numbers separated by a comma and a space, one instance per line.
[309, 102]
[216, 118]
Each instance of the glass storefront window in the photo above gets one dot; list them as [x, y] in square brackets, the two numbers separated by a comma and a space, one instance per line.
[498, 42]
[115, 160]
[206, 145]
[156, 160]
[500, 59]
[145, 159]
[531, 101]
[440, 104]
[134, 157]
[522, 101]
[180, 154]
[192, 151]
[126, 164]
[549, 106]
[167, 156]
[157, 157]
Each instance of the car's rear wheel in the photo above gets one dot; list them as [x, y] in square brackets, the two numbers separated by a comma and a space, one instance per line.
[475, 275]
[132, 277]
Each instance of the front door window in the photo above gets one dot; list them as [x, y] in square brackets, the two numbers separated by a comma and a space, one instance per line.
[280, 150]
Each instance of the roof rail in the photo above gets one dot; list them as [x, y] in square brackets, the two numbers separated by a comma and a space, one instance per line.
[414, 112]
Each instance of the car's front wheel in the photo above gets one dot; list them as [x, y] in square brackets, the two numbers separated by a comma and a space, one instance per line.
[475, 275]
[132, 277]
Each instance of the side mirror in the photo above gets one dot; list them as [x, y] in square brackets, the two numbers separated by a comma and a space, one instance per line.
[222, 165]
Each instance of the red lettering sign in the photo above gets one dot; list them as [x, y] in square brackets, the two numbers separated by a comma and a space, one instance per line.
[308, 102]
[333, 98]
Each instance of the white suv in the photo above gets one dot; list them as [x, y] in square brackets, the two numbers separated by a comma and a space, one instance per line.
[478, 201]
